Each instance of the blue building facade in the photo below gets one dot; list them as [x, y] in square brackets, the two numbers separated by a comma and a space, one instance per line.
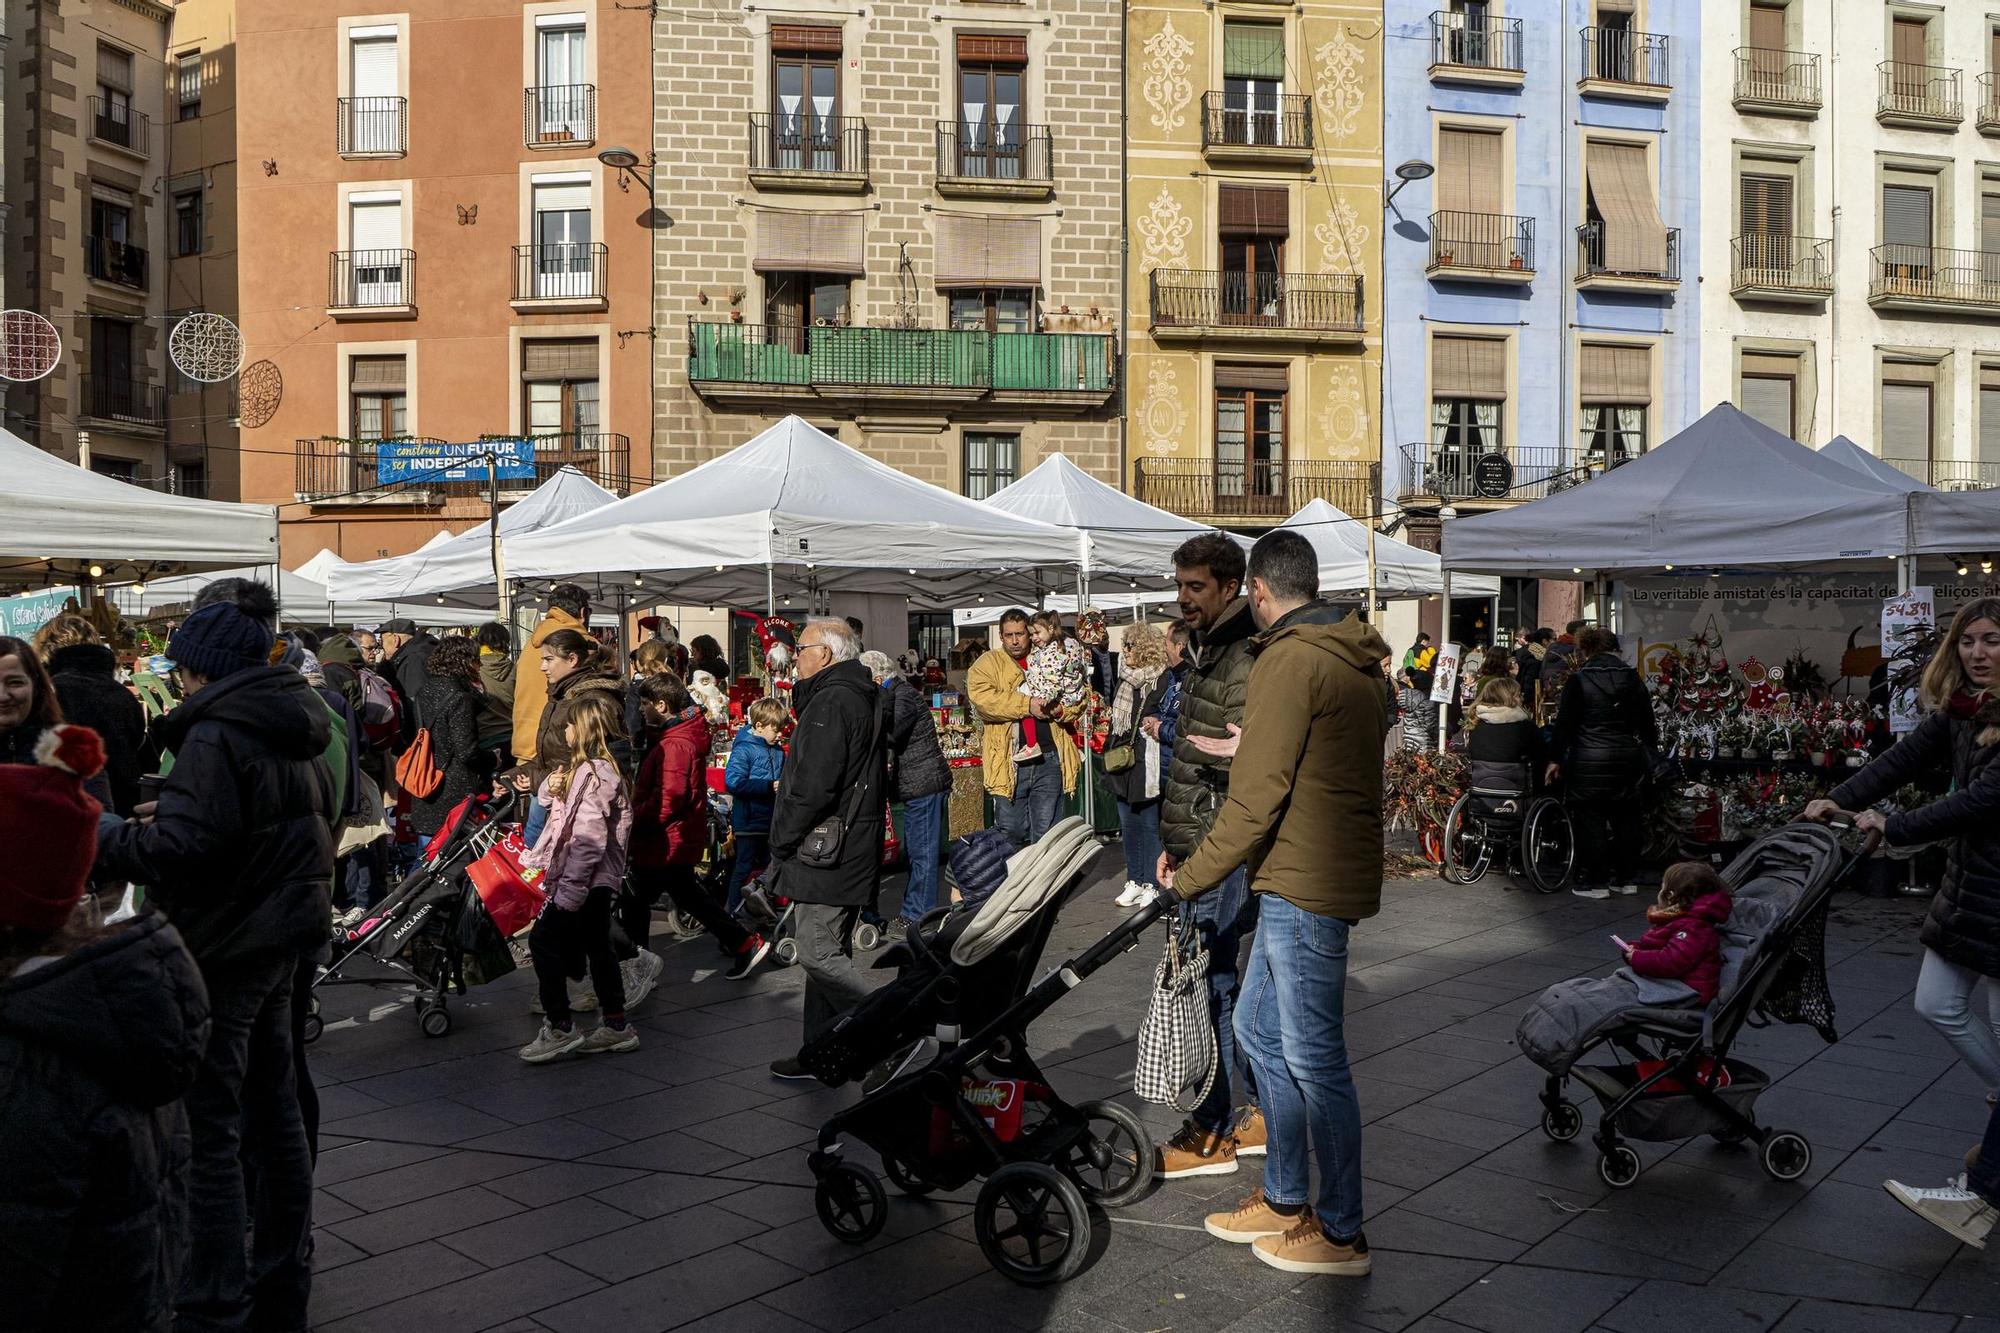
[1541, 289]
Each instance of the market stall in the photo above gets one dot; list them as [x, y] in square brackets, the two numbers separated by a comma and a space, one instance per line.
[302, 600]
[1846, 452]
[1401, 570]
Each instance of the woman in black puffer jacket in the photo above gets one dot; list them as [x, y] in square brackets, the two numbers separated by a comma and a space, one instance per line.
[84, 672]
[449, 706]
[1959, 734]
[1603, 729]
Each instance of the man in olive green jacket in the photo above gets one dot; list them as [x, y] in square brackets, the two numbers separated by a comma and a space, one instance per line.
[1304, 812]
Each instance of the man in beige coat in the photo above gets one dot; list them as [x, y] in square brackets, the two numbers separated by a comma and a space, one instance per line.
[569, 608]
[1026, 797]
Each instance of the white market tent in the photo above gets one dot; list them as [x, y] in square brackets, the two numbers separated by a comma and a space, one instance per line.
[1124, 536]
[58, 519]
[1845, 451]
[1401, 570]
[459, 568]
[1727, 492]
[1956, 523]
[302, 599]
[796, 508]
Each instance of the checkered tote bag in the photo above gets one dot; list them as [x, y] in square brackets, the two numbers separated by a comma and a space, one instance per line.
[1177, 1036]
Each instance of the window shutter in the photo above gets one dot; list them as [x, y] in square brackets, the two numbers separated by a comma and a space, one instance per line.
[114, 68]
[1237, 375]
[1767, 399]
[1635, 239]
[1989, 226]
[187, 78]
[1253, 51]
[992, 49]
[1767, 27]
[988, 251]
[1469, 171]
[1909, 42]
[375, 67]
[1615, 374]
[561, 194]
[376, 226]
[559, 359]
[1767, 204]
[377, 373]
[804, 37]
[810, 243]
[1906, 422]
[1246, 210]
[1906, 215]
[1469, 368]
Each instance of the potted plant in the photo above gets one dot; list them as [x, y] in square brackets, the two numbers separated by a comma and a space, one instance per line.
[1514, 261]
[1444, 258]
[1729, 739]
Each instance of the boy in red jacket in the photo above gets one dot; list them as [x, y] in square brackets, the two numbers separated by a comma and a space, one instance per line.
[1684, 942]
[670, 825]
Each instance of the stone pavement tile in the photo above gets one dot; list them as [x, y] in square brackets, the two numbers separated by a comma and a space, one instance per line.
[558, 1089]
[657, 1193]
[1890, 1088]
[330, 1252]
[1509, 1093]
[1582, 1255]
[1863, 1224]
[1534, 1156]
[778, 1168]
[668, 1297]
[439, 1120]
[617, 1255]
[441, 1079]
[1401, 1229]
[475, 1303]
[671, 1061]
[808, 1246]
[1674, 1307]
[1535, 1300]
[556, 1181]
[326, 1208]
[537, 1231]
[1411, 1161]
[676, 1150]
[367, 1283]
[1520, 1210]
[880, 1282]
[1438, 1122]
[557, 1138]
[338, 1101]
[1166, 1299]
[425, 1219]
[669, 1108]
[1381, 1098]
[1768, 1265]
[1896, 1057]
[1420, 1069]
[1967, 1115]
[439, 1174]
[773, 1205]
[1667, 1227]
[1401, 1289]
[815, 1106]
[1971, 1281]
[750, 1317]
[1828, 1317]
[363, 1157]
[752, 1133]
[1473, 990]
[1743, 1162]
[1874, 1162]
[1458, 1044]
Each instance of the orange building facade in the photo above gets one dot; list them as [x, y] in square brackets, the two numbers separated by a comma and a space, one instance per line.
[431, 250]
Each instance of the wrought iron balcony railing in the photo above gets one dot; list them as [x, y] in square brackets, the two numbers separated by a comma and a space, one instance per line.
[1595, 259]
[117, 123]
[115, 261]
[1769, 77]
[809, 144]
[970, 359]
[1517, 472]
[1781, 262]
[1928, 273]
[1475, 41]
[1482, 241]
[1323, 302]
[1256, 120]
[559, 114]
[371, 279]
[1201, 488]
[1919, 92]
[1620, 55]
[115, 398]
[1951, 474]
[999, 153]
[372, 126]
[569, 271]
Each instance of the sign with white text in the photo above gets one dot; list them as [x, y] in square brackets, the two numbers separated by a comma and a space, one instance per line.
[1905, 617]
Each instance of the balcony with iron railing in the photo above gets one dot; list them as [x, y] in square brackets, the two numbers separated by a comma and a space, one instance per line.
[1603, 265]
[1950, 474]
[1267, 128]
[1209, 488]
[1919, 97]
[1271, 307]
[331, 470]
[1986, 116]
[1921, 278]
[125, 401]
[372, 126]
[603, 456]
[372, 284]
[568, 275]
[1519, 472]
[1482, 247]
[1476, 48]
[1772, 82]
[1625, 65]
[115, 262]
[117, 125]
[995, 161]
[560, 115]
[1775, 266]
[1057, 372]
[794, 151]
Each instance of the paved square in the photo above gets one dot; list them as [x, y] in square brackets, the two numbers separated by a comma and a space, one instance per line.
[460, 1189]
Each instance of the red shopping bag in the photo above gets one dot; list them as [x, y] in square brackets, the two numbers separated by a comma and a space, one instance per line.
[510, 899]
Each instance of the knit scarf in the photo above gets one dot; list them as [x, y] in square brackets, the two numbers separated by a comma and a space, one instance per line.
[1981, 706]
[1132, 687]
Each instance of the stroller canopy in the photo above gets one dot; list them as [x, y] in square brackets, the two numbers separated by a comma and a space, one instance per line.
[1036, 876]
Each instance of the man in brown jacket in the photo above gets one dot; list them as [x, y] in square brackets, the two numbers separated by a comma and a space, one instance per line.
[569, 608]
[1304, 813]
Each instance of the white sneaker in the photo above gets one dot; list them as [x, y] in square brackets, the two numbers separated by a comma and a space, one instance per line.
[1147, 896]
[550, 1044]
[1129, 895]
[1626, 890]
[607, 1038]
[1958, 1211]
[351, 918]
[641, 974]
[1590, 893]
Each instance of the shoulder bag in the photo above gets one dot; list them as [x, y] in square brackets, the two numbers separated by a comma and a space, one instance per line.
[1177, 1049]
[820, 849]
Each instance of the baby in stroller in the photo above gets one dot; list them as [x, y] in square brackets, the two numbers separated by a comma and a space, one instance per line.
[1683, 941]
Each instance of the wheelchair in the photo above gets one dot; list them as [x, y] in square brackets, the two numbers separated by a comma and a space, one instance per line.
[1509, 822]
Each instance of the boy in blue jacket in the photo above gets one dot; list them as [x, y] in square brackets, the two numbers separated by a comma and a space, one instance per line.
[756, 762]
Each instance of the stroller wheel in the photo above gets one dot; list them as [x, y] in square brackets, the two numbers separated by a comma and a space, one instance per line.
[435, 1021]
[786, 951]
[867, 935]
[903, 1178]
[683, 925]
[1562, 1122]
[312, 1005]
[1729, 1137]
[313, 1025]
[1619, 1166]
[1113, 1162]
[1033, 1224]
[850, 1203]
[1787, 1155]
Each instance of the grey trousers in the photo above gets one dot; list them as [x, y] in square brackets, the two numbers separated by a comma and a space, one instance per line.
[826, 954]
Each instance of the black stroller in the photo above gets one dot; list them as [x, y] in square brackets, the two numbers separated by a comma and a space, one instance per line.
[1681, 1081]
[954, 1095]
[424, 929]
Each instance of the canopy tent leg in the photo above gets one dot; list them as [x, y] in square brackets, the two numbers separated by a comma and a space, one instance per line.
[1444, 708]
[1906, 573]
[770, 591]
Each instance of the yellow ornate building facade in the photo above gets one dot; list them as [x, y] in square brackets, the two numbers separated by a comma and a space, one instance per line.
[1254, 178]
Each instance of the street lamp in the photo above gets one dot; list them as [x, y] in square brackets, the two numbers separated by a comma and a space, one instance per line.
[626, 163]
[1415, 169]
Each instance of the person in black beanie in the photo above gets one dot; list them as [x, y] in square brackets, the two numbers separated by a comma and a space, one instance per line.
[238, 853]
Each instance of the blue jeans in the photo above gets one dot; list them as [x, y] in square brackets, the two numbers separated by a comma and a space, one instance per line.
[1139, 830]
[1222, 917]
[531, 828]
[1984, 1177]
[1038, 793]
[1289, 1022]
[752, 851]
[923, 832]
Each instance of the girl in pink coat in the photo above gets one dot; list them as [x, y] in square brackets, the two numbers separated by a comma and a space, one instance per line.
[1684, 941]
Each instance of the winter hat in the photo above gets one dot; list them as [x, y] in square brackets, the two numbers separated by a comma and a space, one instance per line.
[49, 825]
[224, 638]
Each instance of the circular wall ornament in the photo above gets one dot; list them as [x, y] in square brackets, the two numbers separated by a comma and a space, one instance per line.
[206, 346]
[259, 392]
[29, 346]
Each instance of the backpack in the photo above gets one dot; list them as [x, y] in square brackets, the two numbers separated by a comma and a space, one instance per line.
[417, 772]
[381, 711]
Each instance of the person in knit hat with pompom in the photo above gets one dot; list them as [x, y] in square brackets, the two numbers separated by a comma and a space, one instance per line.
[102, 1030]
[238, 853]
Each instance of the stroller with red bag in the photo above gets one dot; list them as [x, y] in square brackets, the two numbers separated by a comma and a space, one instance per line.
[446, 925]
